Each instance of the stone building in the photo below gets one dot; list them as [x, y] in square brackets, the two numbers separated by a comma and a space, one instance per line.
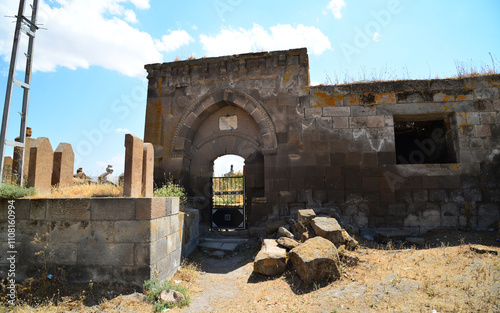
[414, 154]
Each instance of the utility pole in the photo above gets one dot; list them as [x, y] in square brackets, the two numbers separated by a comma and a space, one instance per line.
[28, 27]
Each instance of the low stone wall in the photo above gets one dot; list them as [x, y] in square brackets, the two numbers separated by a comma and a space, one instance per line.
[125, 240]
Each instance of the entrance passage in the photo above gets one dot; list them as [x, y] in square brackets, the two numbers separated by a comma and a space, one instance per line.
[228, 202]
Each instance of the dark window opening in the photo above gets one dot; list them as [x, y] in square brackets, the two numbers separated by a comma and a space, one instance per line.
[425, 141]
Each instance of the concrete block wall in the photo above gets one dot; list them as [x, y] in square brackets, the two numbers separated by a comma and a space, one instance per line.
[125, 240]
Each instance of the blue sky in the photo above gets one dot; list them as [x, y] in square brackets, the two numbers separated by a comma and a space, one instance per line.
[89, 86]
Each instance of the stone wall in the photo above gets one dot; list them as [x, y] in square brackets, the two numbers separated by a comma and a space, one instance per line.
[125, 240]
[414, 154]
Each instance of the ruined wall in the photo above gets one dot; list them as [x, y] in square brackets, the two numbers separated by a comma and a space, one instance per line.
[378, 176]
[416, 154]
[126, 240]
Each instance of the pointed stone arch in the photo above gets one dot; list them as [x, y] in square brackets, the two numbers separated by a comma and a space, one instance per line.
[200, 109]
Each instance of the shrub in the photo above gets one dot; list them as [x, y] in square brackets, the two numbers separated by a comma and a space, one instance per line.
[171, 190]
[153, 289]
[8, 191]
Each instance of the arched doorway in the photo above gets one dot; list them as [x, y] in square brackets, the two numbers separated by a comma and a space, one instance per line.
[229, 202]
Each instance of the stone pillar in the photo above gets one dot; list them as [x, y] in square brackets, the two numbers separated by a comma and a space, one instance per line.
[132, 185]
[147, 170]
[40, 165]
[7, 170]
[18, 154]
[64, 162]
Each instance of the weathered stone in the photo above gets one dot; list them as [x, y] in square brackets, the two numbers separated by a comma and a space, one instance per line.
[306, 216]
[171, 296]
[64, 161]
[483, 249]
[18, 154]
[40, 165]
[285, 232]
[273, 227]
[133, 166]
[7, 170]
[329, 228]
[271, 259]
[287, 243]
[347, 257]
[316, 260]
[349, 242]
[147, 170]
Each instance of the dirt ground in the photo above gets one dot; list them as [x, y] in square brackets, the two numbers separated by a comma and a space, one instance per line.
[444, 276]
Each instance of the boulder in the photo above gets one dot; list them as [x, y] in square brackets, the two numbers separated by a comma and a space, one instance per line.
[287, 243]
[285, 232]
[349, 242]
[271, 259]
[328, 228]
[347, 257]
[316, 260]
[483, 249]
[273, 227]
[306, 216]
[171, 296]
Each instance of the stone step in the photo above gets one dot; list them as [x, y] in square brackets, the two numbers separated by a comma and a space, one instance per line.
[217, 245]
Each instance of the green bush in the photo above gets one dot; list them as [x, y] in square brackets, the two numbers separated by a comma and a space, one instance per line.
[171, 190]
[8, 191]
[153, 289]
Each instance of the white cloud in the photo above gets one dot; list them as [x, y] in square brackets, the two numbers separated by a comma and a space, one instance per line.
[376, 37]
[122, 130]
[336, 6]
[84, 33]
[141, 4]
[258, 39]
[173, 41]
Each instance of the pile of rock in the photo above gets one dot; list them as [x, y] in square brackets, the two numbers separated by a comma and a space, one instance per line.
[314, 247]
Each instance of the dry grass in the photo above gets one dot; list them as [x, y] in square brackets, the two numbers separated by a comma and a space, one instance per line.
[83, 191]
[388, 279]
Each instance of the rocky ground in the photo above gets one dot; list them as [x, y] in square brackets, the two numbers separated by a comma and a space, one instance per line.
[443, 276]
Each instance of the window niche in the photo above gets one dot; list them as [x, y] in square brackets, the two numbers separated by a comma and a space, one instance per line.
[426, 139]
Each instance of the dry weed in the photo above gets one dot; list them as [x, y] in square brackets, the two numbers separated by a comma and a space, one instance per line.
[84, 191]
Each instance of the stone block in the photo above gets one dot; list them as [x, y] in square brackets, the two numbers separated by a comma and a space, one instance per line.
[271, 259]
[486, 93]
[18, 154]
[336, 111]
[488, 214]
[21, 209]
[306, 216]
[385, 98]
[151, 208]
[69, 231]
[63, 164]
[132, 231]
[147, 170]
[134, 153]
[375, 121]
[328, 228]
[173, 242]
[68, 209]
[159, 249]
[142, 254]
[340, 122]
[112, 209]
[482, 131]
[40, 165]
[110, 254]
[7, 170]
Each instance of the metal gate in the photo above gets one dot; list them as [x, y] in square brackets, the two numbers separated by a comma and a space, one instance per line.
[228, 202]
